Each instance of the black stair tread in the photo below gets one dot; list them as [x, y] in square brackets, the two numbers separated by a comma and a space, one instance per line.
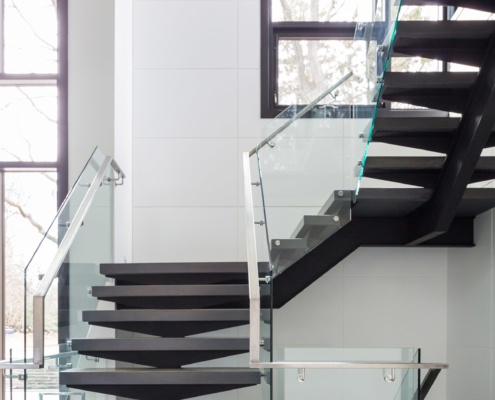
[196, 315]
[175, 296]
[177, 273]
[462, 42]
[393, 202]
[158, 376]
[428, 133]
[482, 5]
[309, 222]
[170, 290]
[161, 352]
[421, 171]
[160, 384]
[447, 91]
[169, 322]
[156, 344]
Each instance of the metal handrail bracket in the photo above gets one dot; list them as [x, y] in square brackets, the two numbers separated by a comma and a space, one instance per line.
[302, 112]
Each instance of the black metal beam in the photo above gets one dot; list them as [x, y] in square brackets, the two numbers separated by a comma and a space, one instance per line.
[374, 231]
[428, 382]
[469, 141]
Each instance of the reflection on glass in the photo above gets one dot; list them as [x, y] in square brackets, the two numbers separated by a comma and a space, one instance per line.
[304, 64]
[30, 36]
[28, 117]
[321, 10]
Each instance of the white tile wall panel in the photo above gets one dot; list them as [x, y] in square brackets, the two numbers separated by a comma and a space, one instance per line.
[178, 103]
[470, 309]
[185, 34]
[249, 34]
[322, 306]
[249, 122]
[394, 311]
[179, 234]
[185, 172]
[469, 373]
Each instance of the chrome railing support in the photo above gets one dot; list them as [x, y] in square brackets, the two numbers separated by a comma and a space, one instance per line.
[254, 287]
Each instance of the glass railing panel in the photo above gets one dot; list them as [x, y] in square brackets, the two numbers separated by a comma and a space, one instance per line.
[71, 293]
[356, 384]
[379, 35]
[301, 171]
[410, 383]
[40, 261]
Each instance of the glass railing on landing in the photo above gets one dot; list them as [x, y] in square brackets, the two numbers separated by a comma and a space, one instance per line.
[58, 281]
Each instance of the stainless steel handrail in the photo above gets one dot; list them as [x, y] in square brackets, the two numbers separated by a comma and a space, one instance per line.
[347, 365]
[301, 113]
[54, 268]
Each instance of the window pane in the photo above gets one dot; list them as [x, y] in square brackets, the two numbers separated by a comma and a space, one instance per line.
[30, 36]
[321, 10]
[30, 205]
[305, 63]
[28, 121]
[420, 13]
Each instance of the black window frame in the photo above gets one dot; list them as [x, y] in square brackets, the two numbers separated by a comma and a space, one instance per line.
[273, 32]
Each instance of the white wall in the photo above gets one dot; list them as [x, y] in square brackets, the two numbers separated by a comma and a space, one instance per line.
[471, 305]
[100, 98]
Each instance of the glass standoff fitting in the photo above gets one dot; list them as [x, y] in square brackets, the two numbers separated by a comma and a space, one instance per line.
[266, 279]
[262, 343]
[336, 218]
[255, 183]
[89, 290]
[68, 343]
[261, 222]
[301, 375]
[277, 242]
[271, 144]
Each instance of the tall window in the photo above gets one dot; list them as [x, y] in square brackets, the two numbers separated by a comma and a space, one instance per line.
[33, 141]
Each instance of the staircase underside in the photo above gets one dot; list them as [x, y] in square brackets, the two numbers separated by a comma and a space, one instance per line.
[440, 209]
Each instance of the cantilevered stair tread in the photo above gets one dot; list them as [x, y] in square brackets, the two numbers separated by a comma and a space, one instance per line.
[447, 91]
[161, 352]
[316, 228]
[482, 5]
[173, 296]
[376, 202]
[421, 171]
[159, 384]
[426, 133]
[177, 273]
[168, 323]
[462, 42]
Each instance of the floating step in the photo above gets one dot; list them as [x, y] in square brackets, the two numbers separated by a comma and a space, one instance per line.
[433, 134]
[462, 42]
[159, 384]
[173, 296]
[421, 171]
[168, 323]
[447, 91]
[286, 251]
[384, 203]
[161, 352]
[481, 5]
[316, 228]
[177, 273]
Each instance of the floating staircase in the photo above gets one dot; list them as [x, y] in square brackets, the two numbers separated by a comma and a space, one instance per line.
[173, 301]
